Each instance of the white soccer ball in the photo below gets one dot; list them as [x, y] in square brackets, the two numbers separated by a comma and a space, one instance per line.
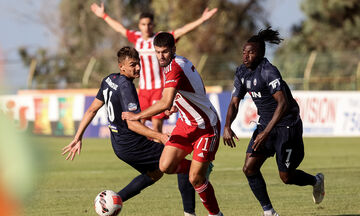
[108, 203]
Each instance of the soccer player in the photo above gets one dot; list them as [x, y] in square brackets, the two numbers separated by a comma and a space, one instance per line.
[198, 127]
[129, 138]
[151, 80]
[279, 129]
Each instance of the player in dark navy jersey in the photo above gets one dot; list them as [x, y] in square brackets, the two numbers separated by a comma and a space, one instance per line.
[129, 138]
[279, 129]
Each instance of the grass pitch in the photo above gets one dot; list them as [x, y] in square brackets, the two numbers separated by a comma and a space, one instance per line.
[69, 187]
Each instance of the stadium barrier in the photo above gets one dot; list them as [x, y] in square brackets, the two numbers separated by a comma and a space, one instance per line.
[58, 112]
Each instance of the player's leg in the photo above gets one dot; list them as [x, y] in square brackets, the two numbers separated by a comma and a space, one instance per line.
[204, 150]
[251, 169]
[173, 160]
[203, 187]
[289, 157]
[253, 162]
[139, 183]
[187, 194]
[144, 159]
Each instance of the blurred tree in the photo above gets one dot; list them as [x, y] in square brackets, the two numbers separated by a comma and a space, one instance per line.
[216, 45]
[332, 29]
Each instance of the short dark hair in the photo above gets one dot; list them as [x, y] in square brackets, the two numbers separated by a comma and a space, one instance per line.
[267, 35]
[127, 52]
[147, 15]
[164, 39]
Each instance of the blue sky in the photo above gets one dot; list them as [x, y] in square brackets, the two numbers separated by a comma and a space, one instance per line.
[22, 27]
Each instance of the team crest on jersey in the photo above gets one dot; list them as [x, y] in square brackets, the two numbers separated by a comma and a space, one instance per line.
[248, 84]
[132, 106]
[255, 82]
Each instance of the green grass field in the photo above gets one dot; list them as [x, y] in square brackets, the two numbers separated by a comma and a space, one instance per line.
[69, 188]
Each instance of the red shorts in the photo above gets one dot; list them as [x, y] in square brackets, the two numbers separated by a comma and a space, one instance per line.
[204, 142]
[148, 98]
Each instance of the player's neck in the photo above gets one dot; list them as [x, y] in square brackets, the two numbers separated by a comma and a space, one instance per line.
[146, 37]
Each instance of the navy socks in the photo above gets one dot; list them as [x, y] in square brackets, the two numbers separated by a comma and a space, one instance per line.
[135, 186]
[258, 187]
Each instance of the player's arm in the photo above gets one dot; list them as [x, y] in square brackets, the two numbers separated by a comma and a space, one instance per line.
[75, 145]
[163, 104]
[207, 14]
[230, 116]
[282, 105]
[99, 11]
[141, 129]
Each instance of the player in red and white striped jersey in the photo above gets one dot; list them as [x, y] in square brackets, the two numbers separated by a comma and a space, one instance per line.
[198, 127]
[151, 80]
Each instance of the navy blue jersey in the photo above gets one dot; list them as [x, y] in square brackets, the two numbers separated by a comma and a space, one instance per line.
[261, 84]
[119, 95]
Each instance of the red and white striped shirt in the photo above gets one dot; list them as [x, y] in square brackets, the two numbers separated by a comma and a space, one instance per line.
[151, 76]
[194, 106]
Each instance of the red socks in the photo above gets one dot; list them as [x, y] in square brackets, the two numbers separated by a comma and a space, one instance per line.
[207, 196]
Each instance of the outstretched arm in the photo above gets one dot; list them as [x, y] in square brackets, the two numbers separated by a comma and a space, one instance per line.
[75, 145]
[207, 14]
[163, 104]
[99, 11]
[230, 116]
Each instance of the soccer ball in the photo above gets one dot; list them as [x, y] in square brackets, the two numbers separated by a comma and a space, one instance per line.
[108, 203]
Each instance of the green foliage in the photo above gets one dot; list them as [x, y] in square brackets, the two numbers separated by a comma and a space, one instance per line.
[219, 40]
[331, 28]
[69, 187]
[83, 35]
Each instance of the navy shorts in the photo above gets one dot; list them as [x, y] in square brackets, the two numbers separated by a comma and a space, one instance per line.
[144, 155]
[286, 142]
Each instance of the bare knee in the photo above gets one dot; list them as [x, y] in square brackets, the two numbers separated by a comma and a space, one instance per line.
[166, 168]
[196, 180]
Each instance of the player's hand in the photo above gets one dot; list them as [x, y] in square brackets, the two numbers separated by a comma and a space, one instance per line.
[129, 116]
[164, 138]
[259, 140]
[98, 10]
[73, 148]
[228, 137]
[207, 14]
[172, 110]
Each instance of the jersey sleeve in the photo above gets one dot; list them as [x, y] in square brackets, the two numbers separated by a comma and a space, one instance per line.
[173, 77]
[239, 87]
[129, 99]
[131, 36]
[273, 79]
[100, 94]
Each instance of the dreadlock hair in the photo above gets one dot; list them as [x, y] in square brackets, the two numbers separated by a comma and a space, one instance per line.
[267, 35]
[127, 52]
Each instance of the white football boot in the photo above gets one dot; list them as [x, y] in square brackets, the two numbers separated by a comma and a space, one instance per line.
[218, 214]
[270, 212]
[319, 188]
